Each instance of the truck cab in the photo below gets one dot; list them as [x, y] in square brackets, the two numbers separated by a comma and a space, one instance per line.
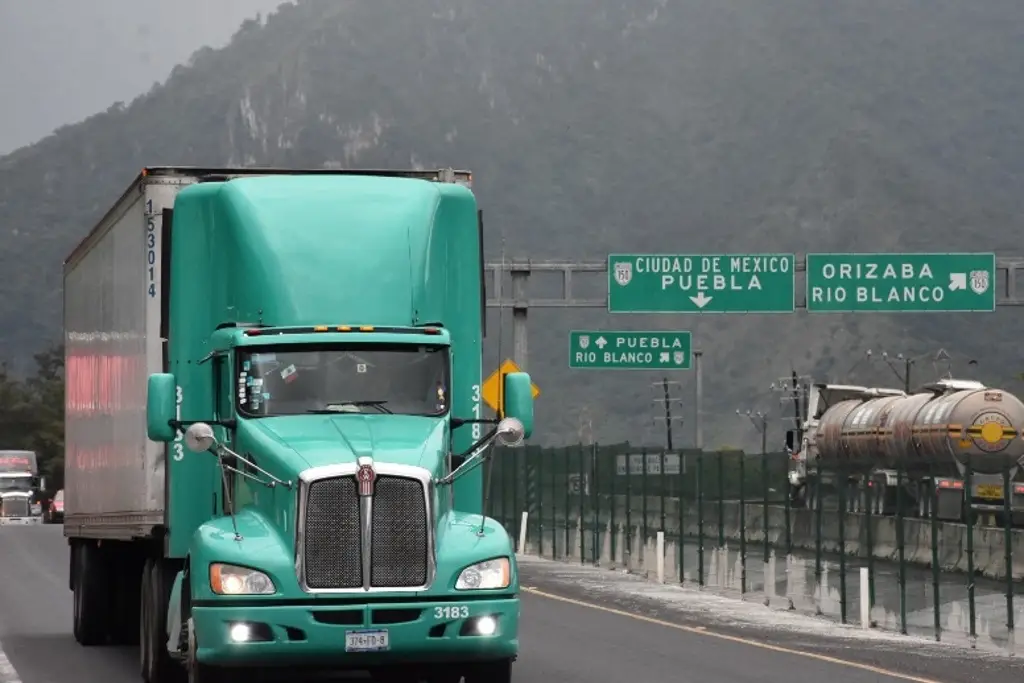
[304, 487]
[20, 487]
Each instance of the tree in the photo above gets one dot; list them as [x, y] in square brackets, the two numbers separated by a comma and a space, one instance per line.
[32, 413]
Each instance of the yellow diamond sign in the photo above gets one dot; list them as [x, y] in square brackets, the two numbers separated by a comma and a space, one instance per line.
[490, 391]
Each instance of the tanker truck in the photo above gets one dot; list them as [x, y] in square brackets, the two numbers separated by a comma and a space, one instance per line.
[874, 441]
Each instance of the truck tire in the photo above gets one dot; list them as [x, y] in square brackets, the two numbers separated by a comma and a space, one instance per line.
[197, 672]
[155, 662]
[91, 594]
[489, 672]
[127, 585]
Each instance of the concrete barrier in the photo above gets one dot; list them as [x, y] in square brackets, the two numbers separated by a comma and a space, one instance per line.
[632, 549]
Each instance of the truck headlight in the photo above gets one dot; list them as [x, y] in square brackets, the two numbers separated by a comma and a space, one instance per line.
[486, 575]
[229, 579]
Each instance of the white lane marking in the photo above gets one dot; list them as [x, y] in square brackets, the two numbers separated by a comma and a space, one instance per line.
[8, 674]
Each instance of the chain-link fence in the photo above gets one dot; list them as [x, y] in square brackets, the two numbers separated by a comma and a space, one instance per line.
[726, 523]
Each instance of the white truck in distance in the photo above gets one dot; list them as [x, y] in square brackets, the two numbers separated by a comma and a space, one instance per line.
[19, 484]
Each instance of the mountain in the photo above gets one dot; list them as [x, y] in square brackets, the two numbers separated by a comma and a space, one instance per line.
[596, 126]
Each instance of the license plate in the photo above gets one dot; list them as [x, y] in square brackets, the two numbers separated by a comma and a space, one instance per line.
[366, 641]
[992, 491]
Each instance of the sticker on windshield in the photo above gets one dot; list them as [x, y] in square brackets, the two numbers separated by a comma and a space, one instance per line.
[246, 365]
[257, 382]
[264, 357]
[289, 374]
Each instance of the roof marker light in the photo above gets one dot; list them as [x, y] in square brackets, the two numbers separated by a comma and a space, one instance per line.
[320, 328]
[366, 328]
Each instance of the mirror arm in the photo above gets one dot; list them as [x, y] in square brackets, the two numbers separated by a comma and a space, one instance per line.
[457, 422]
[475, 455]
[182, 425]
[220, 450]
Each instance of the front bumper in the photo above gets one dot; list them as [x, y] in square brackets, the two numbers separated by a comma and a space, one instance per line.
[21, 520]
[313, 634]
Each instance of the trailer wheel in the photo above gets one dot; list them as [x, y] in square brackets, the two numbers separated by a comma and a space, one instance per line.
[91, 594]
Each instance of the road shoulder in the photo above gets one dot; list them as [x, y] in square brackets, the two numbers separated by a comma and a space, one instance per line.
[908, 657]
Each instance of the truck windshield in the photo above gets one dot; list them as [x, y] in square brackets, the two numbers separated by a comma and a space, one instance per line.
[360, 378]
[10, 484]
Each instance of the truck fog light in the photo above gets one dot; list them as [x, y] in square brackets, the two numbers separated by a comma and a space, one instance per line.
[486, 626]
[240, 633]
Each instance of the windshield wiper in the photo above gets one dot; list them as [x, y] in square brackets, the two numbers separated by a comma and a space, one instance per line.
[379, 405]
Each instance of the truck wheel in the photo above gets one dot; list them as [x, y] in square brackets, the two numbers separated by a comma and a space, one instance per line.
[91, 595]
[204, 673]
[156, 663]
[490, 672]
[395, 674]
[127, 576]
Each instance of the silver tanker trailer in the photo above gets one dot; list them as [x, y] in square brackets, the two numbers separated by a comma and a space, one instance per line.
[860, 437]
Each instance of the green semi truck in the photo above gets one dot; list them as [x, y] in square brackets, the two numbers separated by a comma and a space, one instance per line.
[274, 436]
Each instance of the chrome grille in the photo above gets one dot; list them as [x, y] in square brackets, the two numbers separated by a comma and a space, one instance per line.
[331, 543]
[399, 534]
[399, 543]
[15, 507]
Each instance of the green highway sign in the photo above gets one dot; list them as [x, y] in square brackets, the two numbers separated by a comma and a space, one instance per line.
[604, 350]
[701, 283]
[881, 283]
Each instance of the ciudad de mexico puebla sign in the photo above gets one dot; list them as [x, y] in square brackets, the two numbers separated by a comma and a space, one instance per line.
[701, 283]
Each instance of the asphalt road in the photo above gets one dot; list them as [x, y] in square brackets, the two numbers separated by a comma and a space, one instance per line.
[563, 639]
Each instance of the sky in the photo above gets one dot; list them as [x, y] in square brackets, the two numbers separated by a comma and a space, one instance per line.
[63, 60]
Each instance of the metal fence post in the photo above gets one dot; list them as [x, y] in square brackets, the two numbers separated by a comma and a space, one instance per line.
[681, 539]
[720, 461]
[902, 569]
[584, 488]
[969, 516]
[1008, 551]
[843, 485]
[700, 517]
[629, 510]
[764, 504]
[933, 496]
[595, 500]
[743, 522]
[612, 519]
[643, 503]
[568, 500]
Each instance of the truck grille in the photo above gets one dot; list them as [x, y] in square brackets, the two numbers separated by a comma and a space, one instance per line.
[15, 507]
[332, 545]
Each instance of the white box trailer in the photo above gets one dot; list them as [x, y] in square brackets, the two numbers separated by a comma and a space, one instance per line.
[115, 332]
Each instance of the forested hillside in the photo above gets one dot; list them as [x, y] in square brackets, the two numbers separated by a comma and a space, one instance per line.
[596, 126]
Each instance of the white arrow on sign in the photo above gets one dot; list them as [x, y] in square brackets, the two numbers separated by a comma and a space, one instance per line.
[957, 281]
[601, 342]
[701, 300]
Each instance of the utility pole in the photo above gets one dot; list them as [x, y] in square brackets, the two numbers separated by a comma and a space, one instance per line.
[664, 388]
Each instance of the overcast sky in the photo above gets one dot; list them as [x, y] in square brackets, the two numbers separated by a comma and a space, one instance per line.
[63, 60]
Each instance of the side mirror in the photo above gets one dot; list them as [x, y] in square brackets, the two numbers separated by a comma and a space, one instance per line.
[199, 437]
[161, 407]
[519, 401]
[790, 439]
[510, 431]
